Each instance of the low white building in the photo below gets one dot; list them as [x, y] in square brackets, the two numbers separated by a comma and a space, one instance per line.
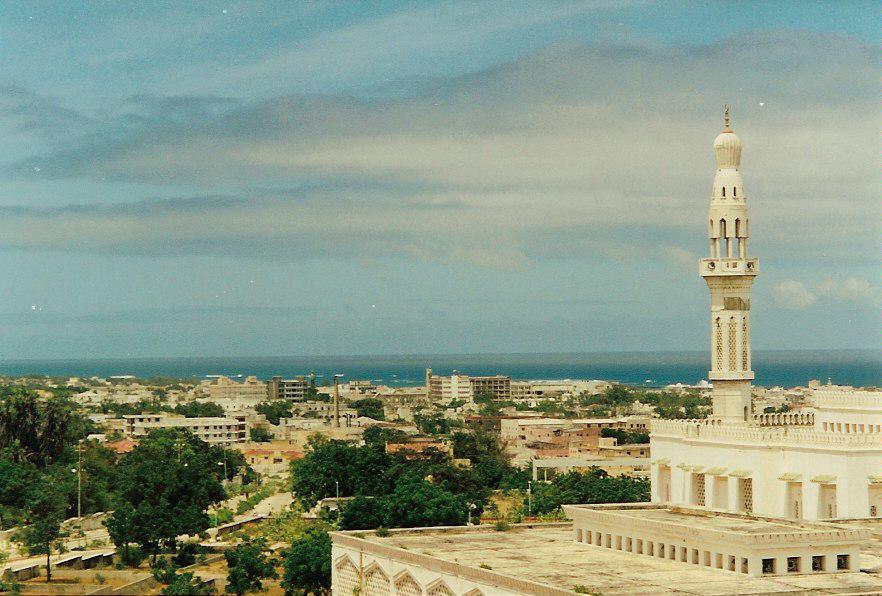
[209, 429]
[824, 463]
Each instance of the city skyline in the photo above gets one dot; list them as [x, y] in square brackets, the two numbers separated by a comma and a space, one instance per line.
[238, 180]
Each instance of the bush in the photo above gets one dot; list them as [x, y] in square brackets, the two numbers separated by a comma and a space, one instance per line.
[186, 554]
[134, 557]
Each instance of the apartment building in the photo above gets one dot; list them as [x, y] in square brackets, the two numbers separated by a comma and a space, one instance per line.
[442, 388]
[497, 386]
[225, 388]
[233, 429]
[295, 389]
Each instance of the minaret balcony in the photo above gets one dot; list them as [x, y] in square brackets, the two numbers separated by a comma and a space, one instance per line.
[715, 267]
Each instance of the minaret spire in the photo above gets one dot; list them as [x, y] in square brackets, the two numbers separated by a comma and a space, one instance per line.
[729, 272]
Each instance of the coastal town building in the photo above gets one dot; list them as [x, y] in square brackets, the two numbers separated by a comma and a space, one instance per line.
[447, 388]
[278, 388]
[209, 429]
[225, 388]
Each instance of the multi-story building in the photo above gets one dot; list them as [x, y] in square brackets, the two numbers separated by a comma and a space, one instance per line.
[443, 388]
[498, 387]
[209, 429]
[295, 389]
[224, 388]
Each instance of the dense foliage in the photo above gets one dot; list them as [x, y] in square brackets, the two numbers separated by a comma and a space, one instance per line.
[370, 407]
[274, 410]
[593, 486]
[248, 566]
[308, 564]
[428, 490]
[625, 437]
[165, 486]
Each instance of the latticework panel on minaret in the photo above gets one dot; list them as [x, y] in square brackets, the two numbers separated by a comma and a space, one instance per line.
[733, 343]
[346, 581]
[745, 341]
[377, 584]
[748, 495]
[718, 333]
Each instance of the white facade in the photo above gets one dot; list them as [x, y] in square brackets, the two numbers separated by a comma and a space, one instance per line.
[209, 429]
[821, 463]
[751, 546]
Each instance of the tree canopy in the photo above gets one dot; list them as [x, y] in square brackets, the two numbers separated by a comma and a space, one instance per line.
[308, 564]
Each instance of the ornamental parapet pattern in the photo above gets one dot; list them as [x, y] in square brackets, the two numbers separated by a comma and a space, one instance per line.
[848, 399]
[784, 436]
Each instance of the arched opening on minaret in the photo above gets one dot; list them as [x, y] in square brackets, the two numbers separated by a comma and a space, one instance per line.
[724, 239]
[724, 191]
[734, 191]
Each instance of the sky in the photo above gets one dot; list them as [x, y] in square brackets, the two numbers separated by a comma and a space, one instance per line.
[319, 178]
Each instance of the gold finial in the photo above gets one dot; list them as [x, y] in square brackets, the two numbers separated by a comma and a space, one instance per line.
[726, 117]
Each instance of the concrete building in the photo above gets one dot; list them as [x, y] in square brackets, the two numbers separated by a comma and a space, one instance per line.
[497, 386]
[609, 551]
[815, 463]
[224, 388]
[209, 429]
[445, 388]
[288, 389]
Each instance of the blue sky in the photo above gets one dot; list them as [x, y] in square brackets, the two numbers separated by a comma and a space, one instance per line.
[236, 178]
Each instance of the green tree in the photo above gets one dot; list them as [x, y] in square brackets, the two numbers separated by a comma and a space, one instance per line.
[308, 564]
[46, 512]
[274, 410]
[169, 480]
[120, 528]
[370, 407]
[186, 584]
[363, 513]
[624, 437]
[247, 565]
[200, 409]
[417, 503]
[591, 486]
[259, 434]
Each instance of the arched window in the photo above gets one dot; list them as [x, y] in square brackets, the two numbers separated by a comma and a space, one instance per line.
[734, 191]
[738, 228]
[724, 191]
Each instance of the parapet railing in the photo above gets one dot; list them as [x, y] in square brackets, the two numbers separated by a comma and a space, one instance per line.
[763, 435]
[847, 399]
[785, 419]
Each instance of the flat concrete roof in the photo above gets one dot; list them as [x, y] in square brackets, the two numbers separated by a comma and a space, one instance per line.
[547, 554]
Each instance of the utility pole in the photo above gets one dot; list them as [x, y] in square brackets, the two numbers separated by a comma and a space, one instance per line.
[337, 400]
[529, 498]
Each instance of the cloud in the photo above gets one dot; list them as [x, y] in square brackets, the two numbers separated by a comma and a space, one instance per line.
[793, 295]
[601, 149]
[850, 289]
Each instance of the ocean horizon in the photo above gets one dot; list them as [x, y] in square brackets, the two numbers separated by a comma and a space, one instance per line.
[786, 368]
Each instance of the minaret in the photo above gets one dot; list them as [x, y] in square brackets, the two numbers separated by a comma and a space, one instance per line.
[729, 273]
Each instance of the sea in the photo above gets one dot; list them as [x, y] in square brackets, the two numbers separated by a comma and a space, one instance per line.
[651, 369]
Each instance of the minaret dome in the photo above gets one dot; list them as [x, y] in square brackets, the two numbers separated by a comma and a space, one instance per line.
[727, 147]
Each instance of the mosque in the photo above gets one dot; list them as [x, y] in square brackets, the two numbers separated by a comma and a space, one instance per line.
[823, 462]
[742, 502]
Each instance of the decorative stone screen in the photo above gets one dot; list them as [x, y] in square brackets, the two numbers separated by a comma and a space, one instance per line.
[747, 495]
[376, 583]
[440, 590]
[733, 341]
[346, 581]
[745, 341]
[406, 586]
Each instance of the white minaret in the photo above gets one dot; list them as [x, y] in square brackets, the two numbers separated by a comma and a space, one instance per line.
[729, 274]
